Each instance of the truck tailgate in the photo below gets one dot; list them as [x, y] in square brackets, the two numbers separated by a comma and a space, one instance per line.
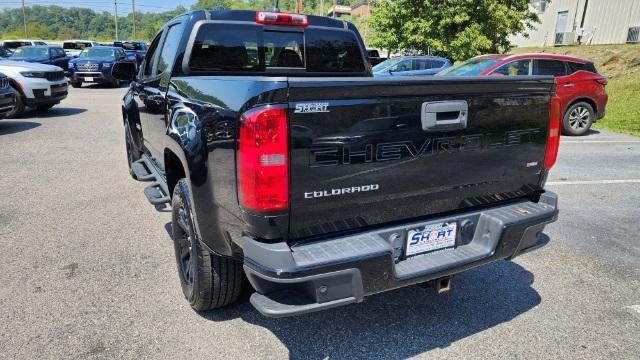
[373, 151]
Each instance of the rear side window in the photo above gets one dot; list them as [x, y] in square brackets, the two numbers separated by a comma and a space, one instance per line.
[588, 66]
[425, 64]
[550, 67]
[250, 48]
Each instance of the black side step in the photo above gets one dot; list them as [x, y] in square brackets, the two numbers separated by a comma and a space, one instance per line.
[155, 194]
[142, 173]
[146, 170]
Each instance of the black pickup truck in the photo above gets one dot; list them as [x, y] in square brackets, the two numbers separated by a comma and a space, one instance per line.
[284, 161]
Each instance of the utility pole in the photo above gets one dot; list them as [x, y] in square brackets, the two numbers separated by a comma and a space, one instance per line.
[24, 20]
[115, 5]
[133, 5]
[334, 8]
[322, 8]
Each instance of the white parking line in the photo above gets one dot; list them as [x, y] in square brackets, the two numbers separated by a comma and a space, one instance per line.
[590, 182]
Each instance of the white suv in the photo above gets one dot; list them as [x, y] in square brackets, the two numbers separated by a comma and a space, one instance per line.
[73, 48]
[35, 85]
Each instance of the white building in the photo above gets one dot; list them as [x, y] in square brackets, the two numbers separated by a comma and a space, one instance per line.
[572, 22]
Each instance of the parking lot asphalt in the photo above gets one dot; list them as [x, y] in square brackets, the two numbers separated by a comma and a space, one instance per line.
[87, 268]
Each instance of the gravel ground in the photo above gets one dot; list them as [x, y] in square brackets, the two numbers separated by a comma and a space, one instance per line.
[87, 268]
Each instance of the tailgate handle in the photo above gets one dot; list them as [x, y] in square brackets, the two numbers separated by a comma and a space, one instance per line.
[444, 115]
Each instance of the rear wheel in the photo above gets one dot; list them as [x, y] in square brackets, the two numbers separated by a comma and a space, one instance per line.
[208, 281]
[578, 119]
[18, 106]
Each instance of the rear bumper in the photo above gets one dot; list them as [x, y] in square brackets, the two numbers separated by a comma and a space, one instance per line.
[318, 275]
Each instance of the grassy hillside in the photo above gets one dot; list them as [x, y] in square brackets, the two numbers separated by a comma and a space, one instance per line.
[621, 64]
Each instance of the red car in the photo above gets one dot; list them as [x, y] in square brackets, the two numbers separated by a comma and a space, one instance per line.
[579, 86]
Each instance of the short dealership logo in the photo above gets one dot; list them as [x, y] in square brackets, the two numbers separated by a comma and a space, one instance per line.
[311, 108]
[341, 191]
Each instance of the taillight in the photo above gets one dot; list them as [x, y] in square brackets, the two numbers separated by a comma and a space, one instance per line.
[284, 19]
[263, 160]
[553, 137]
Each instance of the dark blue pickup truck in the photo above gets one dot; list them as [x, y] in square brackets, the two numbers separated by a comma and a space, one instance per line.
[285, 160]
[94, 65]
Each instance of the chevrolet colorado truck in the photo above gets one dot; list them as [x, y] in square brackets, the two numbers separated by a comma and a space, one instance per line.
[286, 162]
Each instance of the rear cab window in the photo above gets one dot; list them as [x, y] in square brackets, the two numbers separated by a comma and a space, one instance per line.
[75, 45]
[252, 48]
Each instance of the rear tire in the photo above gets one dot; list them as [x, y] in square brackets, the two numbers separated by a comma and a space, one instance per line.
[578, 119]
[208, 281]
[18, 107]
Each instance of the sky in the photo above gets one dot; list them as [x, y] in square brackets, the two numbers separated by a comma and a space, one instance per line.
[124, 6]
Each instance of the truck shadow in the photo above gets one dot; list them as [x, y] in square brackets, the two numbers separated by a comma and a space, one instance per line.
[405, 322]
[11, 127]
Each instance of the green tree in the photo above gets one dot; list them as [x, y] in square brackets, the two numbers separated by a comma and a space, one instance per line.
[458, 29]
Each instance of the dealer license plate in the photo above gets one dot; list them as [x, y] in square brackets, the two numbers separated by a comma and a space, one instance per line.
[430, 238]
[88, 79]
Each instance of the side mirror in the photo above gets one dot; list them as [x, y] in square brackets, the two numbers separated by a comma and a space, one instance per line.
[124, 71]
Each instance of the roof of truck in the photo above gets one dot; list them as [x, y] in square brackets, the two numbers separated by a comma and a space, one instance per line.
[250, 16]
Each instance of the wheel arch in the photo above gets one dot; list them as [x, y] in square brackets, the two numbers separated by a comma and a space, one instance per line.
[174, 169]
[586, 99]
[14, 84]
